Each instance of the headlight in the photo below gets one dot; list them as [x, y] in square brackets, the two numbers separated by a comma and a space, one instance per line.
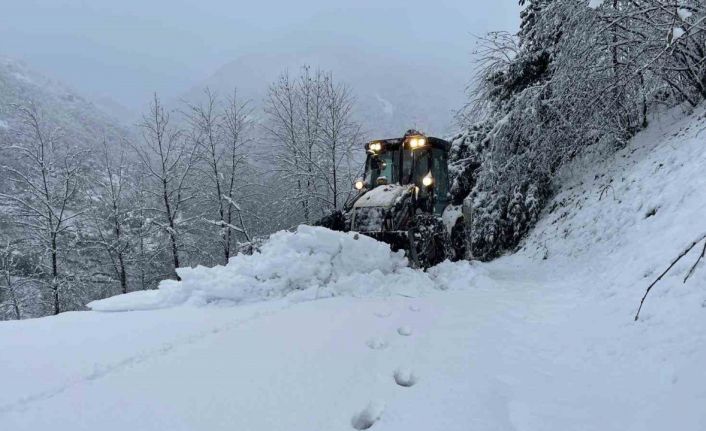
[375, 146]
[415, 143]
[427, 180]
[359, 185]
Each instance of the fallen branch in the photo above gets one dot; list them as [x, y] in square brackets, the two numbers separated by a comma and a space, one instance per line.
[674, 262]
[693, 267]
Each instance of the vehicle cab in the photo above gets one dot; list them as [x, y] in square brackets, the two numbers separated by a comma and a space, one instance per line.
[415, 160]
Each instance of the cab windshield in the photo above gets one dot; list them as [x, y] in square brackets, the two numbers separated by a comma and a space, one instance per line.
[415, 166]
[381, 165]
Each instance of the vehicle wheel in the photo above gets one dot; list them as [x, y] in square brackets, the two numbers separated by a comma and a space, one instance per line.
[458, 240]
[429, 242]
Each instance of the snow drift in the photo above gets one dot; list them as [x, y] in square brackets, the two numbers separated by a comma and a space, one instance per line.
[311, 263]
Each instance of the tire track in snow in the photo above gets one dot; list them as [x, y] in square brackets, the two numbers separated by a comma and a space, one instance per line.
[102, 370]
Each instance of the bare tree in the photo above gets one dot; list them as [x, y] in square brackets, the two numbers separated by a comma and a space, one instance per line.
[311, 121]
[237, 125]
[220, 133]
[149, 270]
[110, 212]
[338, 143]
[48, 184]
[9, 280]
[168, 160]
[282, 109]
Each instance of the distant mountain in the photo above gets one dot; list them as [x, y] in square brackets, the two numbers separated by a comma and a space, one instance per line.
[82, 121]
[393, 94]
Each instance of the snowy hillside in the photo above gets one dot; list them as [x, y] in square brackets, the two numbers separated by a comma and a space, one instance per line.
[334, 332]
[80, 119]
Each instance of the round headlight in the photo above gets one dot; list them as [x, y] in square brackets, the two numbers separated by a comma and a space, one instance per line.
[376, 146]
[359, 185]
[427, 180]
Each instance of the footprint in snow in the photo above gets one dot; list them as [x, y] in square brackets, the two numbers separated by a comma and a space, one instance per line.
[376, 343]
[383, 313]
[405, 377]
[404, 331]
[414, 308]
[367, 417]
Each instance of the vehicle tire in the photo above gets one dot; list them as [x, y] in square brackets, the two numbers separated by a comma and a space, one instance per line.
[457, 239]
[429, 241]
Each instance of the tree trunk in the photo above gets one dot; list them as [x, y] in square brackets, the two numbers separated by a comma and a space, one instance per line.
[13, 295]
[55, 275]
[172, 232]
[123, 273]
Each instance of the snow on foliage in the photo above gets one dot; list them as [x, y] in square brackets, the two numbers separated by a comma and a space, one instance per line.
[684, 14]
[311, 263]
[595, 4]
[560, 87]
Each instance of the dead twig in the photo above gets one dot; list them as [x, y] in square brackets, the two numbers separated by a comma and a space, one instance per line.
[674, 262]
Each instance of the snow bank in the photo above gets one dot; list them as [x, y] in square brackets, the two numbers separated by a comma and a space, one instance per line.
[311, 263]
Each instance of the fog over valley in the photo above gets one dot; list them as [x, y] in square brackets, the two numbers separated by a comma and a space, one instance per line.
[407, 62]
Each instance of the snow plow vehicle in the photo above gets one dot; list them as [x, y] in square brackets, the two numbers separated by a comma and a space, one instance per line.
[403, 199]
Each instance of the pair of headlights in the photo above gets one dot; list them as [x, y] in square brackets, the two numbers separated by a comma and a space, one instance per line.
[414, 143]
[417, 142]
[426, 181]
[375, 147]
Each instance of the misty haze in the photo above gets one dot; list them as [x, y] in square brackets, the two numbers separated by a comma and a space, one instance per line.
[352, 215]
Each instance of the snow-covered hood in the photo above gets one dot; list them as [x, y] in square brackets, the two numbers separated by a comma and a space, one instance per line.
[383, 196]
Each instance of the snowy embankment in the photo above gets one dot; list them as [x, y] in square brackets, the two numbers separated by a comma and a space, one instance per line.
[541, 340]
[312, 263]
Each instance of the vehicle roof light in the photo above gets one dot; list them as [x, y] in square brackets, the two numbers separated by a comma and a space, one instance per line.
[417, 142]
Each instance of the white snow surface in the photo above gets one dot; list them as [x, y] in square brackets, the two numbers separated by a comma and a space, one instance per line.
[382, 196]
[595, 4]
[310, 263]
[542, 340]
[684, 14]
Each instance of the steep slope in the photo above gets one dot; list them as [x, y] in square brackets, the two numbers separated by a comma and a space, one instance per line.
[540, 340]
[81, 121]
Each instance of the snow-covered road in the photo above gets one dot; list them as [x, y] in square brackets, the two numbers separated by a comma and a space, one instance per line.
[512, 352]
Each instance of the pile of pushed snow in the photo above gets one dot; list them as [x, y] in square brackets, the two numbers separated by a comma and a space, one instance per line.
[311, 263]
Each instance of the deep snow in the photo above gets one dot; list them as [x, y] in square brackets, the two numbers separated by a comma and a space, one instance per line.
[541, 340]
[311, 263]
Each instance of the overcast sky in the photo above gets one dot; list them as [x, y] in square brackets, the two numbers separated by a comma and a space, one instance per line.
[126, 49]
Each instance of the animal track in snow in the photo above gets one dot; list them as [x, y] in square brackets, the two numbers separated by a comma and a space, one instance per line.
[367, 417]
[405, 377]
[377, 343]
[404, 330]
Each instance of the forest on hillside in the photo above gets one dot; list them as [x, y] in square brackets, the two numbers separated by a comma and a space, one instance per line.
[86, 216]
